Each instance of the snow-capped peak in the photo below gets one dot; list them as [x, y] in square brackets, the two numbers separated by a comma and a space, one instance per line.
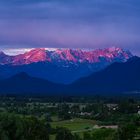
[67, 55]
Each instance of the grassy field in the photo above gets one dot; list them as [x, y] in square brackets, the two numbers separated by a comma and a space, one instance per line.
[75, 124]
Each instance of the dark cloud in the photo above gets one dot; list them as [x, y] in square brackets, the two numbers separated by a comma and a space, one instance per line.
[70, 23]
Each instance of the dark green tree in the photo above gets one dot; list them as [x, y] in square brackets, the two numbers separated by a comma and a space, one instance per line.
[64, 134]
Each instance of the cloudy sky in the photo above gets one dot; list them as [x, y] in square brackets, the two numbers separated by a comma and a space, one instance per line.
[70, 23]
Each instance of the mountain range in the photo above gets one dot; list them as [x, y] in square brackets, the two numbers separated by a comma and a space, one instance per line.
[60, 65]
[116, 78]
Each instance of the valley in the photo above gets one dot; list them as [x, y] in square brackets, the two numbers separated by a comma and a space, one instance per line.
[79, 118]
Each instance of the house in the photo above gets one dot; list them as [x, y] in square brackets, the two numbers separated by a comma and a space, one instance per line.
[85, 114]
[112, 106]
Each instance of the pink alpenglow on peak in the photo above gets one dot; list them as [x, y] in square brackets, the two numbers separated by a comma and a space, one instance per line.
[66, 55]
[33, 56]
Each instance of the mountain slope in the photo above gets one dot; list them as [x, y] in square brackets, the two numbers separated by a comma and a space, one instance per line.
[116, 78]
[60, 65]
[23, 84]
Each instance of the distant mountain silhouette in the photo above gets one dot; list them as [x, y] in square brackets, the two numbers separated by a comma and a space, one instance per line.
[117, 78]
[24, 84]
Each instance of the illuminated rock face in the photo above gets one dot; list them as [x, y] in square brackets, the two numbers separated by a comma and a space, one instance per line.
[109, 55]
[33, 56]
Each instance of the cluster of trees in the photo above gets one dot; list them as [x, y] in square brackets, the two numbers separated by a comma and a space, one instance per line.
[14, 127]
[130, 130]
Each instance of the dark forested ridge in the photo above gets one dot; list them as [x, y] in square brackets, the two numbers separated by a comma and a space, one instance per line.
[24, 84]
[117, 78]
